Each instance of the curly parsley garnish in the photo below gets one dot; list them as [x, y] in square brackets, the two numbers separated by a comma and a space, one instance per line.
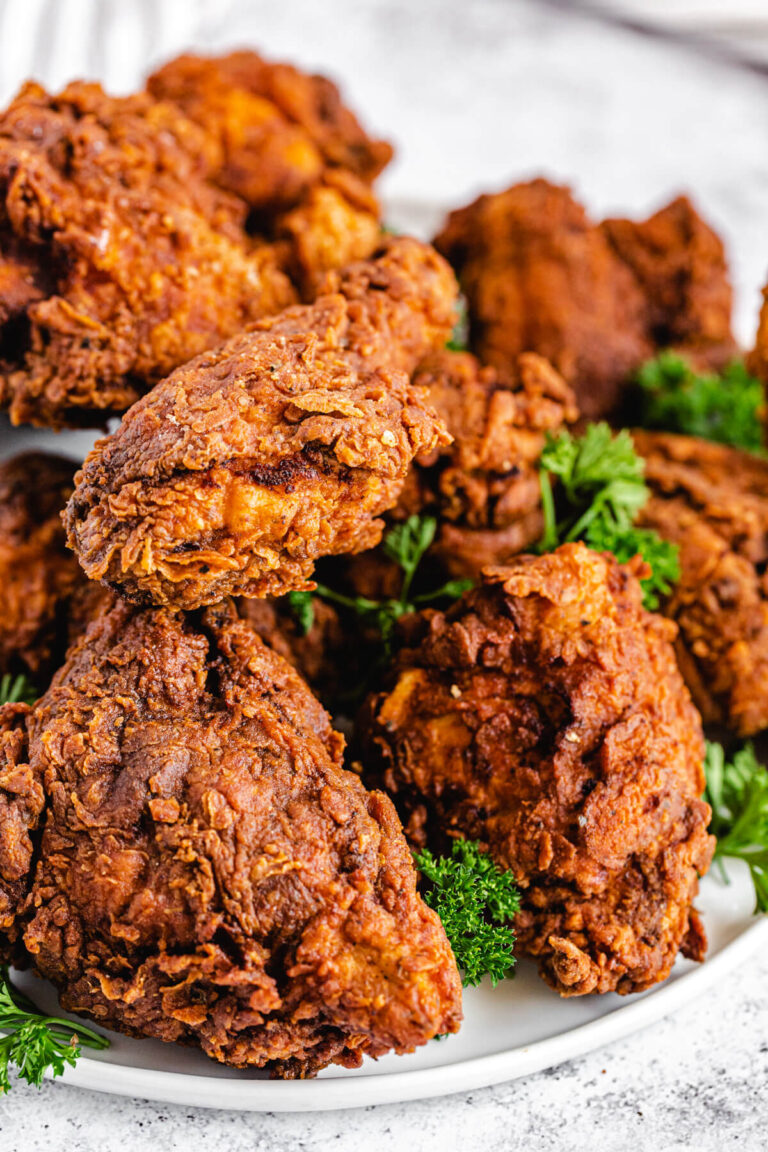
[406, 545]
[737, 790]
[35, 1042]
[724, 407]
[476, 902]
[459, 341]
[601, 492]
[17, 689]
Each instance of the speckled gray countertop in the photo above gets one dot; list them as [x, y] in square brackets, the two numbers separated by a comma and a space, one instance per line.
[476, 95]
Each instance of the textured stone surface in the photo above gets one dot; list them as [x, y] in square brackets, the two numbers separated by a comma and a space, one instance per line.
[477, 95]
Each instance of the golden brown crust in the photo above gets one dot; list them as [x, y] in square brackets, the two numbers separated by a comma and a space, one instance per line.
[22, 801]
[136, 261]
[712, 501]
[38, 574]
[242, 468]
[595, 300]
[278, 129]
[544, 715]
[208, 873]
[484, 487]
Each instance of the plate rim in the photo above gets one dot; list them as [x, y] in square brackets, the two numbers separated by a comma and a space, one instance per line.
[342, 1093]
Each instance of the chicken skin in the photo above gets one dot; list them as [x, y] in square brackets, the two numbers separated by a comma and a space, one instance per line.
[207, 871]
[38, 574]
[243, 467]
[595, 300]
[119, 259]
[484, 487]
[712, 501]
[544, 716]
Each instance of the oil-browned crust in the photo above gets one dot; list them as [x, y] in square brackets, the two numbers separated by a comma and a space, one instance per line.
[22, 801]
[278, 129]
[319, 654]
[243, 467]
[595, 300]
[712, 501]
[544, 716]
[207, 872]
[133, 260]
[38, 573]
[484, 487]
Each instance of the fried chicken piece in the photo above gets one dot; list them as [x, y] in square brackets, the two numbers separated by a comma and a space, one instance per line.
[316, 652]
[484, 487]
[278, 129]
[712, 501]
[595, 300]
[242, 468]
[22, 801]
[207, 872]
[38, 573]
[120, 258]
[544, 716]
[679, 262]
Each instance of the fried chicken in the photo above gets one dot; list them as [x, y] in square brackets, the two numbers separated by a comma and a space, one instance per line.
[544, 716]
[278, 129]
[38, 574]
[207, 872]
[484, 487]
[315, 651]
[595, 300]
[712, 501]
[243, 467]
[133, 261]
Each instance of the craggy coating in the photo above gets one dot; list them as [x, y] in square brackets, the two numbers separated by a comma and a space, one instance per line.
[38, 573]
[22, 801]
[595, 300]
[316, 653]
[243, 467]
[484, 487]
[712, 501]
[286, 144]
[278, 129]
[119, 258]
[544, 716]
[679, 262]
[207, 872]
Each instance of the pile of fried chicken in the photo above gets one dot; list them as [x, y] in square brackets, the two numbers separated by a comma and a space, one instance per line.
[183, 852]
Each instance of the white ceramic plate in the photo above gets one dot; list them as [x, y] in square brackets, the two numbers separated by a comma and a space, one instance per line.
[519, 1027]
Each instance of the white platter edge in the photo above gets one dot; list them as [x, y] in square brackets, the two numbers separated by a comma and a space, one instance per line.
[463, 1076]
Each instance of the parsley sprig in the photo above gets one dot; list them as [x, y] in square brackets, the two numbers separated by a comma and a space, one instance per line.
[406, 545]
[17, 689]
[601, 492]
[476, 902]
[724, 407]
[36, 1042]
[737, 790]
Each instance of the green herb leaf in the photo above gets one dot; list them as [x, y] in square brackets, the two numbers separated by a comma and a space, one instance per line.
[725, 407]
[459, 341]
[17, 689]
[302, 608]
[601, 492]
[476, 902]
[737, 790]
[35, 1042]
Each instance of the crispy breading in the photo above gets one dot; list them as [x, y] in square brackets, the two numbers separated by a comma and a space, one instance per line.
[316, 653]
[595, 300]
[484, 487]
[712, 501]
[679, 262]
[278, 129]
[135, 261]
[544, 716]
[243, 467]
[207, 872]
[38, 573]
